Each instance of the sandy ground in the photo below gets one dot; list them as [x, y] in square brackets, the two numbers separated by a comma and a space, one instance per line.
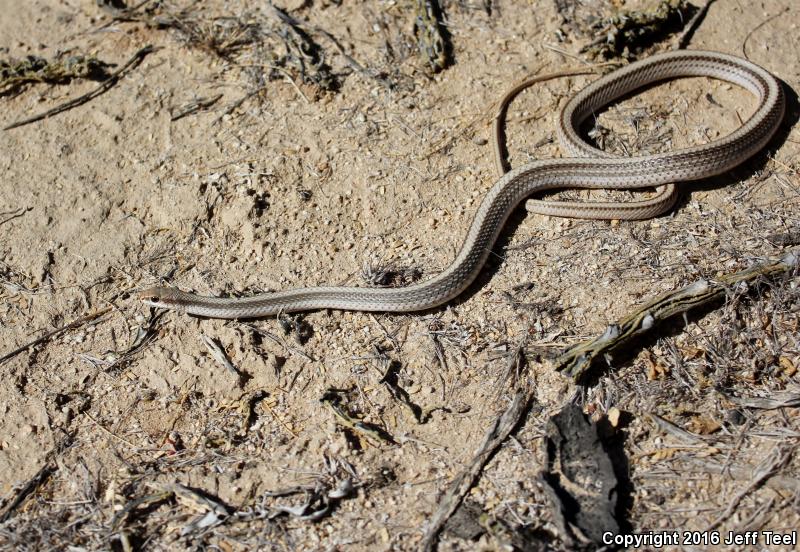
[298, 186]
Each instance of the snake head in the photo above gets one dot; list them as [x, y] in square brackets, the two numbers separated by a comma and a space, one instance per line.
[161, 297]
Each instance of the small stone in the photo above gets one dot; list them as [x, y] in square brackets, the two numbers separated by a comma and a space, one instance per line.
[613, 416]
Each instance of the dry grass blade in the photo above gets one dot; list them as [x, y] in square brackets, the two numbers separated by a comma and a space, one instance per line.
[737, 471]
[779, 399]
[35, 482]
[778, 457]
[671, 429]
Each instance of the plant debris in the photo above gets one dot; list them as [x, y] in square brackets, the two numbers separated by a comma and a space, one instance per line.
[97, 206]
[458, 488]
[623, 33]
[15, 74]
[372, 433]
[433, 41]
[576, 361]
[107, 84]
[580, 477]
[265, 46]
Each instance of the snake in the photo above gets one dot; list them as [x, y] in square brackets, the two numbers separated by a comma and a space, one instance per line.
[586, 167]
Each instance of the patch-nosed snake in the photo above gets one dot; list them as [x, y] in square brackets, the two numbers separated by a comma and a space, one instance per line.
[589, 168]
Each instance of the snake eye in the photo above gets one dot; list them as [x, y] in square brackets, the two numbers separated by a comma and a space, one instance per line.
[157, 294]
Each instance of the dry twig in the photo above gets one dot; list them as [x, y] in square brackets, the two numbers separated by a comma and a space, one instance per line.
[53, 333]
[460, 486]
[113, 79]
[576, 361]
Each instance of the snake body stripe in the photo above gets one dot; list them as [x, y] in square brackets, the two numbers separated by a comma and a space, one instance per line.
[590, 168]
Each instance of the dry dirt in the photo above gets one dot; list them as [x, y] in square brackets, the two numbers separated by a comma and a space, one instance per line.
[299, 186]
